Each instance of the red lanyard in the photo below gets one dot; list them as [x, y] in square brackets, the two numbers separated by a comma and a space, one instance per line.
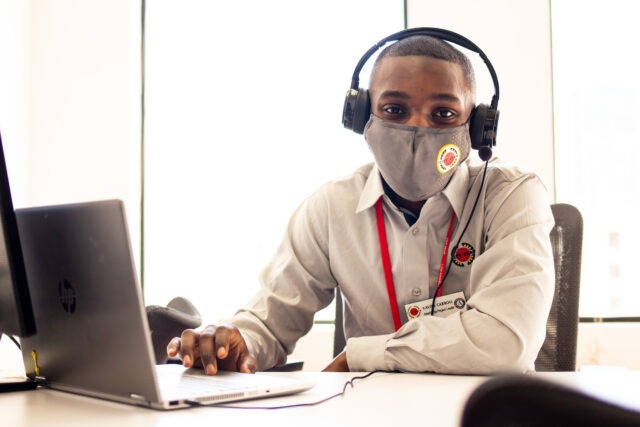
[386, 262]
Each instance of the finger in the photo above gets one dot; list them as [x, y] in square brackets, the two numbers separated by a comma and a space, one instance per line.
[173, 347]
[222, 341]
[187, 346]
[248, 364]
[207, 355]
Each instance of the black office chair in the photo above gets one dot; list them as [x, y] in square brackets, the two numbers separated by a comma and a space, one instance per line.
[558, 351]
[530, 401]
[168, 322]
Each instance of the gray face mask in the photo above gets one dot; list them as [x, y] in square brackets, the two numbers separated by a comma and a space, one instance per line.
[417, 162]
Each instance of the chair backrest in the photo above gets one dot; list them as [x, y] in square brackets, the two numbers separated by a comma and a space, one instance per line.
[558, 351]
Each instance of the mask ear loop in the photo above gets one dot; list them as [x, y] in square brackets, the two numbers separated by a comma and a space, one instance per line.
[455, 247]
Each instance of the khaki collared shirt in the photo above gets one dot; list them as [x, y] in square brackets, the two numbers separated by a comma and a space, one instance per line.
[506, 275]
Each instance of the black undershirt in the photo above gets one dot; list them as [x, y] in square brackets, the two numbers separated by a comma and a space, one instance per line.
[408, 217]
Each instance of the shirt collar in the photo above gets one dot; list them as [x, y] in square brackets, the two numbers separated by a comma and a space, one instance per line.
[372, 190]
[455, 192]
[458, 188]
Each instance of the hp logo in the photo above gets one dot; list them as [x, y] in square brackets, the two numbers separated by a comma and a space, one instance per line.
[67, 296]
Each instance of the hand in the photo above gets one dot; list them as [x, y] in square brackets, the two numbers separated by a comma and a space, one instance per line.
[214, 348]
[339, 364]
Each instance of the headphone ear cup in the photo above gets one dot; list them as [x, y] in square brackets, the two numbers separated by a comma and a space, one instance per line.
[482, 129]
[356, 111]
[476, 125]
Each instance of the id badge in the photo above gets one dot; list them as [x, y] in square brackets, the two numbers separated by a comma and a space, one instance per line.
[446, 305]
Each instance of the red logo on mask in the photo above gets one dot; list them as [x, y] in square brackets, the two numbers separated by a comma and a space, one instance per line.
[449, 158]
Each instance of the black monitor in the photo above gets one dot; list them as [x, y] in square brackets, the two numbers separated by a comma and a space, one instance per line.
[16, 313]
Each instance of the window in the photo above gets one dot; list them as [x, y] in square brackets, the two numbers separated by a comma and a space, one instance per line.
[242, 122]
[597, 129]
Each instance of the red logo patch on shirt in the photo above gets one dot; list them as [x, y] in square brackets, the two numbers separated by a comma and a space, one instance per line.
[414, 311]
[464, 255]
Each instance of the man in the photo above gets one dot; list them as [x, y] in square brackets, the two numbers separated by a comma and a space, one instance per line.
[420, 200]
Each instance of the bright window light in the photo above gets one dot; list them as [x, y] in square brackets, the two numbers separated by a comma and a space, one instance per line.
[242, 123]
[597, 129]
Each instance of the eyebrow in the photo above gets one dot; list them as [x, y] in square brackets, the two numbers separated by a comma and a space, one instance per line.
[404, 95]
[394, 94]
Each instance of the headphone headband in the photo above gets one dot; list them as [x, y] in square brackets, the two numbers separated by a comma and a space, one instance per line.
[438, 33]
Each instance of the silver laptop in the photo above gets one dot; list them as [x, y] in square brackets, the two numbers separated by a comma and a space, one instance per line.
[93, 337]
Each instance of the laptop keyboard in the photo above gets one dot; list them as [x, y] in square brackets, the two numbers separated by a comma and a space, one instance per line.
[188, 386]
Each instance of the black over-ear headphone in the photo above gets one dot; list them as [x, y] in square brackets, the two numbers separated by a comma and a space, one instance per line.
[484, 118]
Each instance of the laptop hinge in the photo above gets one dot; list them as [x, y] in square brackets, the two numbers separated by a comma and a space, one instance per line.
[137, 396]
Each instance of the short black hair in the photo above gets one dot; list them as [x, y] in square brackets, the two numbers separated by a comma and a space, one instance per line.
[433, 47]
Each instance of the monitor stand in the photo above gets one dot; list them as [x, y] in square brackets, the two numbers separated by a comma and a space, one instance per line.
[12, 380]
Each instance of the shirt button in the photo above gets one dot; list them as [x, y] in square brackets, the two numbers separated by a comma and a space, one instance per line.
[416, 292]
[415, 231]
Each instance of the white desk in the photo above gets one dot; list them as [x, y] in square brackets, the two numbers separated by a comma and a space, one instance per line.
[383, 399]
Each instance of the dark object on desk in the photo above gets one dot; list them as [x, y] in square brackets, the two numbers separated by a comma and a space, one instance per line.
[168, 322]
[558, 351]
[18, 385]
[290, 366]
[529, 401]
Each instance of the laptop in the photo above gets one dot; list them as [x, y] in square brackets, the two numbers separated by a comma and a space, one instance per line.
[92, 332]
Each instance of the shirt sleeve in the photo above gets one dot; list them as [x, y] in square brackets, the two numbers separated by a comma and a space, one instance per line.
[295, 284]
[512, 285]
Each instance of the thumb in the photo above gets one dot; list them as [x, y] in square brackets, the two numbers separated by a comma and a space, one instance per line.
[248, 364]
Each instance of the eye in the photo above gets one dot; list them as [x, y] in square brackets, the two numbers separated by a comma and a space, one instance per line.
[393, 110]
[444, 115]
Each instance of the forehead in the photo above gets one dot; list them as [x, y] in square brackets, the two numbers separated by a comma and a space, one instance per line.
[413, 74]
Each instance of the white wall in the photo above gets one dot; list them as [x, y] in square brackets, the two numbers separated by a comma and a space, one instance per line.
[82, 112]
[70, 109]
[14, 51]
